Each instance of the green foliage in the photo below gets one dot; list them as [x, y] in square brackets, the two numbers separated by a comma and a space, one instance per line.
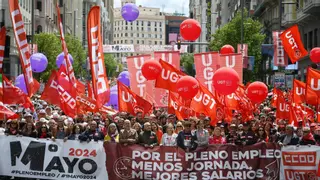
[113, 67]
[187, 62]
[50, 46]
[231, 34]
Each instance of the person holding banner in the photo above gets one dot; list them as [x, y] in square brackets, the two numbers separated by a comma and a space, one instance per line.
[202, 134]
[289, 138]
[186, 139]
[112, 135]
[93, 133]
[148, 138]
[169, 138]
[128, 136]
[307, 138]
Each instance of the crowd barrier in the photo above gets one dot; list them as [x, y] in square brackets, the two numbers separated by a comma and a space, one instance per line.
[45, 159]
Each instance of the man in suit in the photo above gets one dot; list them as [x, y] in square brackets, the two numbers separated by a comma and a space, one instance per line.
[289, 138]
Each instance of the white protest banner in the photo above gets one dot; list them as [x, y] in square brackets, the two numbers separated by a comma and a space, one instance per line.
[45, 159]
[299, 162]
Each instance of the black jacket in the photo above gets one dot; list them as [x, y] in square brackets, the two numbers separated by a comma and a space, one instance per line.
[192, 137]
[248, 137]
[148, 137]
[89, 134]
[294, 140]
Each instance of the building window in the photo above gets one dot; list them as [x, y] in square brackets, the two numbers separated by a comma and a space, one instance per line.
[125, 41]
[121, 41]
[131, 41]
[39, 5]
[155, 29]
[137, 34]
[149, 23]
[160, 42]
[39, 29]
[142, 41]
[137, 41]
[310, 38]
[126, 23]
[150, 42]
[160, 24]
[155, 23]
[126, 28]
[149, 29]
[156, 36]
[315, 38]
[125, 34]
[149, 35]
[160, 36]
[142, 35]
[142, 23]
[155, 42]
[137, 23]
[131, 28]
[131, 34]
[137, 28]
[142, 29]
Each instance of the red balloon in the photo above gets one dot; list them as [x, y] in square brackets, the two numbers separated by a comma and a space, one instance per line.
[315, 55]
[190, 29]
[225, 80]
[227, 49]
[151, 69]
[187, 87]
[257, 92]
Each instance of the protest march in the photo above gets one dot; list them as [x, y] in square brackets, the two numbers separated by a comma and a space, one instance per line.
[155, 121]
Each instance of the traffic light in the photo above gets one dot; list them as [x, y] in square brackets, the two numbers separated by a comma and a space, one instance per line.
[179, 44]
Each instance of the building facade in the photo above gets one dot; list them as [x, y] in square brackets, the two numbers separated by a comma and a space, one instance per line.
[148, 29]
[173, 28]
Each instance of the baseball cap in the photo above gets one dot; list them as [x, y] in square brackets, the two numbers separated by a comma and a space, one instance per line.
[28, 115]
[42, 111]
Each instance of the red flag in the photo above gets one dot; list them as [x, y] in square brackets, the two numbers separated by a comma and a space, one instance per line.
[85, 104]
[233, 61]
[81, 88]
[294, 115]
[50, 93]
[283, 108]
[169, 77]
[67, 93]
[22, 45]
[138, 83]
[14, 95]
[130, 102]
[292, 43]
[276, 93]
[313, 81]
[205, 102]
[101, 89]
[244, 53]
[280, 57]
[67, 62]
[2, 45]
[90, 91]
[4, 111]
[299, 94]
[175, 106]
[173, 58]
[206, 65]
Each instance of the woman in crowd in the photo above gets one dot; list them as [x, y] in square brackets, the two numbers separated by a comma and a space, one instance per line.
[179, 127]
[137, 127]
[74, 132]
[43, 132]
[112, 135]
[13, 128]
[217, 137]
[169, 138]
[157, 130]
[29, 130]
[202, 134]
[193, 123]
[261, 135]
[307, 138]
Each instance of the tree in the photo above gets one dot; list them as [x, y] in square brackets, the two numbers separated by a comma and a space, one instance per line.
[231, 34]
[50, 46]
[113, 67]
[187, 62]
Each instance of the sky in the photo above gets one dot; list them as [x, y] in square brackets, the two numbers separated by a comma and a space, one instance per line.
[170, 6]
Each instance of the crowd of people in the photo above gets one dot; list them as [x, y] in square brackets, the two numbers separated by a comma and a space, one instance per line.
[157, 129]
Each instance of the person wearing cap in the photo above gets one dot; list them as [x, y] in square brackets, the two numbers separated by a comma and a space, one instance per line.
[186, 139]
[247, 137]
[289, 138]
[313, 127]
[148, 138]
[42, 114]
[316, 135]
[307, 138]
[13, 128]
[206, 121]
[232, 135]
[28, 117]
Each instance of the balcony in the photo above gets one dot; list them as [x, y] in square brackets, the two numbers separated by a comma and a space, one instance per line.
[288, 19]
[311, 6]
[302, 18]
[261, 5]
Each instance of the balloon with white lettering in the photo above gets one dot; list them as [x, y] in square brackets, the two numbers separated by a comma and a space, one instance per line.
[130, 12]
[225, 81]
[227, 49]
[39, 62]
[113, 100]
[187, 87]
[21, 83]
[60, 59]
[315, 55]
[190, 29]
[257, 92]
[151, 69]
[124, 78]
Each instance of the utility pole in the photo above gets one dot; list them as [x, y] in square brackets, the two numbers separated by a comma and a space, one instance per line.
[64, 18]
[280, 15]
[74, 22]
[32, 25]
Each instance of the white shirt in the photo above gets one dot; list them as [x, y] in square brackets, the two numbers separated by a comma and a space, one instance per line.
[169, 140]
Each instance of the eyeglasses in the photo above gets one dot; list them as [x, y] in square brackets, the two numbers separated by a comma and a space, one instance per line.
[179, 126]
